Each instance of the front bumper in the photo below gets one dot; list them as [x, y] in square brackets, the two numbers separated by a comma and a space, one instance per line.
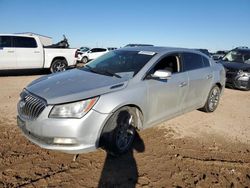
[238, 81]
[85, 131]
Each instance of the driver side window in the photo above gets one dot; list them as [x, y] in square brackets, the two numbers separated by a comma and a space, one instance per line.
[169, 63]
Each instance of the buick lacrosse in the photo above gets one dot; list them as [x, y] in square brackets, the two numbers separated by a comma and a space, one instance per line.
[103, 103]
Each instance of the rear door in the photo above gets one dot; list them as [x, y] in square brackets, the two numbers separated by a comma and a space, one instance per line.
[29, 55]
[93, 53]
[96, 52]
[8, 58]
[200, 79]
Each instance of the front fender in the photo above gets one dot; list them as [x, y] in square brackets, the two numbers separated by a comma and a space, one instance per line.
[129, 96]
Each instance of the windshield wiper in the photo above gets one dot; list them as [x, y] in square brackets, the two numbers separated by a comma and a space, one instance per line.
[106, 72]
[92, 69]
[112, 73]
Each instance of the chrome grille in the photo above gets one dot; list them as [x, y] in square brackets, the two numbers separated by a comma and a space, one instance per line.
[30, 106]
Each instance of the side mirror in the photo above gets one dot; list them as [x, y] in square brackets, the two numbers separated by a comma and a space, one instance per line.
[162, 74]
[89, 51]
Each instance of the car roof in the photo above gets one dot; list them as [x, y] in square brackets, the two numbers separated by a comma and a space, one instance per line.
[159, 49]
[19, 35]
[135, 45]
[99, 48]
[241, 49]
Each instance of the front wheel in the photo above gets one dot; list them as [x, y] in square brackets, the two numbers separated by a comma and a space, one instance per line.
[119, 132]
[212, 100]
[58, 65]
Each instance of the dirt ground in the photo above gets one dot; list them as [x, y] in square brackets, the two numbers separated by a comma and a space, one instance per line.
[193, 150]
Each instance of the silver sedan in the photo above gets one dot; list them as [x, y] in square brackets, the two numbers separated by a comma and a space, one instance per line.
[111, 97]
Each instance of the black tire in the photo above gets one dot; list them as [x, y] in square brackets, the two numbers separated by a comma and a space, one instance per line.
[58, 65]
[85, 60]
[119, 132]
[212, 100]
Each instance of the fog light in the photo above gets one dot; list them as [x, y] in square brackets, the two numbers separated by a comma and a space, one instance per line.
[64, 141]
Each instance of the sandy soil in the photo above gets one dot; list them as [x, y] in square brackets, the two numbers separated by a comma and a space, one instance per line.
[193, 150]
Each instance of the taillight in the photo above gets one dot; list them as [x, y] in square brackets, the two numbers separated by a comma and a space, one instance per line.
[76, 54]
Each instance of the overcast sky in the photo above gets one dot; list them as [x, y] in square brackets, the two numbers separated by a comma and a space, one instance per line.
[209, 24]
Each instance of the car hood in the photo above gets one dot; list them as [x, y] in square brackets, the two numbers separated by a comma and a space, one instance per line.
[235, 65]
[74, 85]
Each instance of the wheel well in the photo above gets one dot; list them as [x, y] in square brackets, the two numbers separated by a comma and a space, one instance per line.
[139, 114]
[60, 58]
[85, 57]
[219, 85]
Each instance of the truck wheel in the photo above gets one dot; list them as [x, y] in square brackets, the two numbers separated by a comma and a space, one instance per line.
[212, 100]
[119, 131]
[58, 65]
[85, 60]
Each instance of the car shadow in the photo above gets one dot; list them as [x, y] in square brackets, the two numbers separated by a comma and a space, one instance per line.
[121, 171]
[23, 72]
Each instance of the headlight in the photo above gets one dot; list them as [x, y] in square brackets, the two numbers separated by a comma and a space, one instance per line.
[72, 110]
[242, 73]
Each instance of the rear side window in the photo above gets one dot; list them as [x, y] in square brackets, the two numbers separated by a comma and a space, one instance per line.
[24, 42]
[5, 41]
[191, 61]
[102, 50]
[205, 61]
[98, 50]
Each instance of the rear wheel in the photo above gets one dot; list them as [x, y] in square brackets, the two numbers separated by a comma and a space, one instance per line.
[84, 60]
[119, 132]
[58, 65]
[212, 100]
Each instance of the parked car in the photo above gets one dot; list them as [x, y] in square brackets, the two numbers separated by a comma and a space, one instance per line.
[219, 55]
[106, 101]
[237, 66]
[92, 54]
[27, 52]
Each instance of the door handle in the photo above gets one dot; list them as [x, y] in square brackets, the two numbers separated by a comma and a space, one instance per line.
[10, 51]
[182, 84]
[36, 52]
[209, 76]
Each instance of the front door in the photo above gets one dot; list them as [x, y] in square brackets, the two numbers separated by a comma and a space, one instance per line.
[165, 97]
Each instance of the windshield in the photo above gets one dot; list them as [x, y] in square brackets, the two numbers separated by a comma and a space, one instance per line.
[237, 56]
[84, 49]
[120, 63]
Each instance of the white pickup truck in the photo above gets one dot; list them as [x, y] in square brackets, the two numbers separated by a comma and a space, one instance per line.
[27, 52]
